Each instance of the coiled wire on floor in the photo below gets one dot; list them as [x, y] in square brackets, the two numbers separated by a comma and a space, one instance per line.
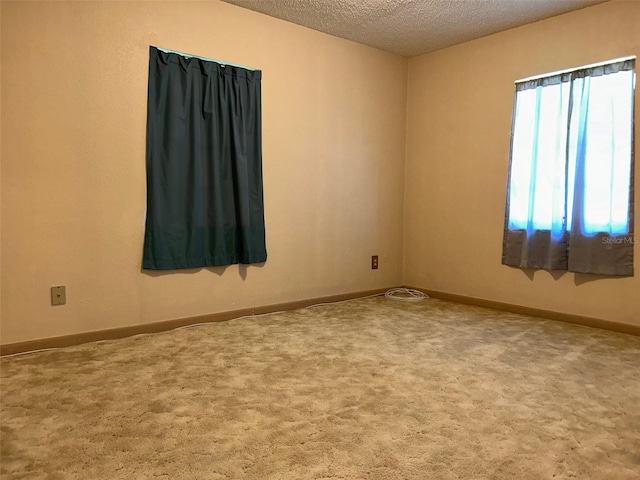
[406, 295]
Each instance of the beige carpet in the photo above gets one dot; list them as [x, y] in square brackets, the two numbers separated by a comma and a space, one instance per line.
[367, 389]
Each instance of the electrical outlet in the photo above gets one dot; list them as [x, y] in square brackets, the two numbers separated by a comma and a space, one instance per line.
[58, 295]
[374, 262]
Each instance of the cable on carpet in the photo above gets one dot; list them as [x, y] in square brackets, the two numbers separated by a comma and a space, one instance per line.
[406, 295]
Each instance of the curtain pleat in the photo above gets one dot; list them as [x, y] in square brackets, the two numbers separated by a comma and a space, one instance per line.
[204, 164]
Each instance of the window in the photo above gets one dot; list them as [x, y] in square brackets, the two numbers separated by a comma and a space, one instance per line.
[570, 191]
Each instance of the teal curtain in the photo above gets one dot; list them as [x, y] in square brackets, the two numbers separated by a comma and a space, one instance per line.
[570, 200]
[204, 164]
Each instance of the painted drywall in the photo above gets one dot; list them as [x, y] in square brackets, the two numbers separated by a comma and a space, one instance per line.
[74, 86]
[460, 103]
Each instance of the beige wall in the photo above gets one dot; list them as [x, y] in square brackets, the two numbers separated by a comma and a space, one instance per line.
[460, 102]
[74, 85]
[334, 123]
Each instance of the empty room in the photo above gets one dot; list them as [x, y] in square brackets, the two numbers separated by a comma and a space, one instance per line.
[319, 239]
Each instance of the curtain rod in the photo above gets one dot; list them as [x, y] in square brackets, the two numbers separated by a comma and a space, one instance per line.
[166, 50]
[615, 60]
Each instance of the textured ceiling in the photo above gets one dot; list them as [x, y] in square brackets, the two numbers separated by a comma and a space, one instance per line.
[412, 27]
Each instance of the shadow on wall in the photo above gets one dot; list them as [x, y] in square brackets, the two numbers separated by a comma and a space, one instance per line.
[243, 270]
[579, 278]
